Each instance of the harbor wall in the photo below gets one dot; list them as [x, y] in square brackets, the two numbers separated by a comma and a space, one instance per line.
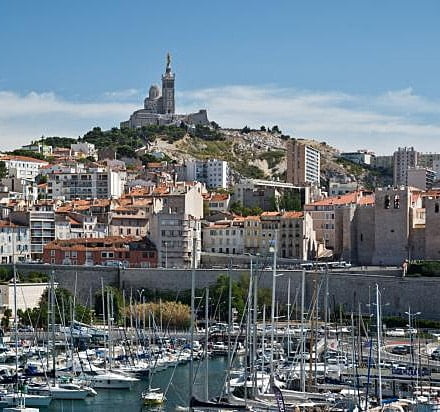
[348, 289]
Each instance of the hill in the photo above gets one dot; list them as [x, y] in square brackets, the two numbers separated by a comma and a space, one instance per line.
[251, 153]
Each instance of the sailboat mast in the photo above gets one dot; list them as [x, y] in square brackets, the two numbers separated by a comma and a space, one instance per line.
[206, 343]
[378, 323]
[193, 292]
[52, 315]
[302, 377]
[272, 310]
[229, 331]
[15, 313]
[103, 322]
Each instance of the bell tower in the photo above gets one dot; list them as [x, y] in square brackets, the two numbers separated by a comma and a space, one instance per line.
[168, 89]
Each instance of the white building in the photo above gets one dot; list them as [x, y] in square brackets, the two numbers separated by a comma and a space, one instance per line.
[420, 177]
[38, 147]
[361, 157]
[77, 225]
[23, 167]
[84, 149]
[42, 227]
[80, 183]
[339, 188]
[214, 173]
[303, 164]
[404, 158]
[28, 296]
[14, 243]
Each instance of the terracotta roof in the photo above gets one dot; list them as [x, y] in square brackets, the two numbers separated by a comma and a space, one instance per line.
[22, 159]
[264, 214]
[7, 223]
[293, 215]
[217, 197]
[252, 218]
[155, 164]
[109, 241]
[356, 197]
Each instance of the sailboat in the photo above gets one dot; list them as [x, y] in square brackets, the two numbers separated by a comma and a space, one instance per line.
[108, 379]
[18, 399]
[152, 396]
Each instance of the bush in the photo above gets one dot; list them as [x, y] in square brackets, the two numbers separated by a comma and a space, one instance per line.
[429, 268]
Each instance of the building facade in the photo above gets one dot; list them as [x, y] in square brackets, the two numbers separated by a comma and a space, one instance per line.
[121, 251]
[23, 167]
[212, 172]
[15, 244]
[303, 164]
[403, 159]
[70, 183]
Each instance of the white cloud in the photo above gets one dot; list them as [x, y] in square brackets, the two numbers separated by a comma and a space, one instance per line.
[26, 117]
[122, 94]
[381, 123]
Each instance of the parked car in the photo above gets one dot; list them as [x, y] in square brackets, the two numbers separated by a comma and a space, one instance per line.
[401, 350]
[400, 333]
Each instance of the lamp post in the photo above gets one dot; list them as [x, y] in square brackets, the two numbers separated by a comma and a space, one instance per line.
[166, 255]
[411, 315]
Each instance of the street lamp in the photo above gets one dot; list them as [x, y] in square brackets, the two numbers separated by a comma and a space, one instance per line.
[140, 292]
[411, 315]
[166, 255]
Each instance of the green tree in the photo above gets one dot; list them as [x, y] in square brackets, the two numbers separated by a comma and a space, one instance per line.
[3, 170]
[5, 322]
[113, 295]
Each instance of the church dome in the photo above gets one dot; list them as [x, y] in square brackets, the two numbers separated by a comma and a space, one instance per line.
[154, 92]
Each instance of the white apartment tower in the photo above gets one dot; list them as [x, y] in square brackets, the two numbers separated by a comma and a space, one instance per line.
[214, 173]
[303, 164]
[404, 158]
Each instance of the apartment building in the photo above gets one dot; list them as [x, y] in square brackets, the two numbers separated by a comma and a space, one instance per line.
[224, 236]
[22, 167]
[77, 182]
[303, 164]
[119, 251]
[15, 245]
[212, 172]
[404, 158]
[42, 226]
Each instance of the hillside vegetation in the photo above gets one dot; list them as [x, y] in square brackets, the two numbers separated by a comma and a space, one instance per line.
[251, 153]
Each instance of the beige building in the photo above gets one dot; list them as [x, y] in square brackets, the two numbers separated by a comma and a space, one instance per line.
[303, 164]
[323, 214]
[224, 236]
[292, 231]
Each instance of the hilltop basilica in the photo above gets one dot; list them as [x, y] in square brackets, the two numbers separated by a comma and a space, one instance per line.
[159, 106]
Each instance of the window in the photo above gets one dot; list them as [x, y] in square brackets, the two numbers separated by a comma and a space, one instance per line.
[436, 208]
[52, 252]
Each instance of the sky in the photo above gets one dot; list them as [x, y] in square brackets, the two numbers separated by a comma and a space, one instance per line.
[355, 74]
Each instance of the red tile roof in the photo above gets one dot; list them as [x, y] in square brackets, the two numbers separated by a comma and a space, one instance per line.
[356, 197]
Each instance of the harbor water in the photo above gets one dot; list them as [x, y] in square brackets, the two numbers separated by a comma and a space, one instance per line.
[126, 401]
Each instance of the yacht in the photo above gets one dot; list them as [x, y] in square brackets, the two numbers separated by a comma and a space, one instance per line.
[111, 380]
